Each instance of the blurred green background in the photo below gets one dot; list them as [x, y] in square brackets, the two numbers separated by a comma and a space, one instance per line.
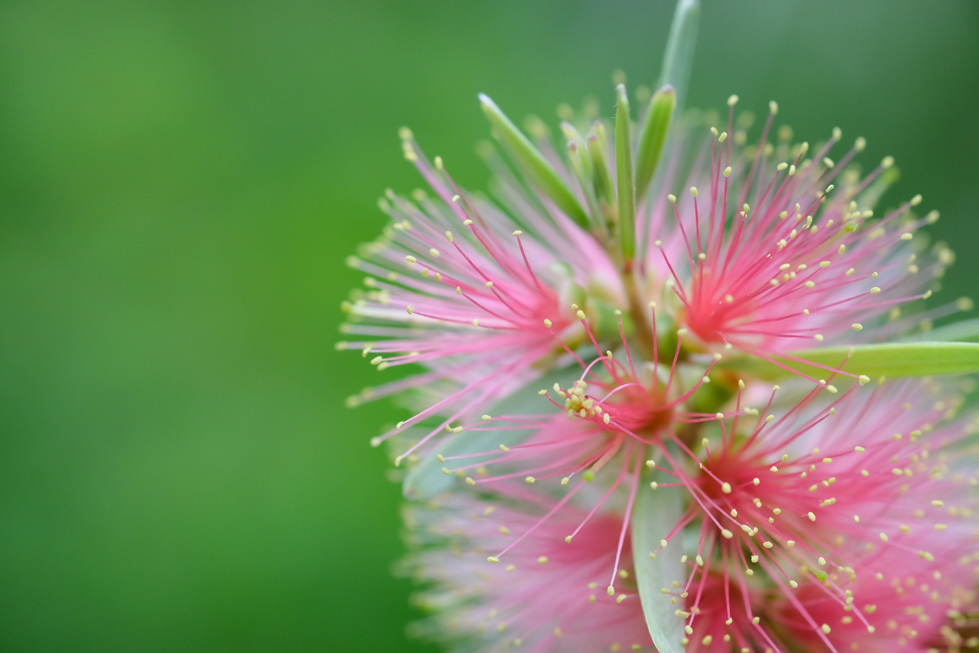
[179, 185]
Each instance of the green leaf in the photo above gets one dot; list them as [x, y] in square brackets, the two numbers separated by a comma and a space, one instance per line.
[893, 360]
[656, 513]
[596, 151]
[678, 59]
[581, 163]
[653, 137]
[533, 163]
[623, 172]
[572, 135]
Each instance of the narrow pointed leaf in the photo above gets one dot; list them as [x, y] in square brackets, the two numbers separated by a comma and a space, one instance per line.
[656, 513]
[599, 162]
[653, 137]
[529, 159]
[581, 164]
[572, 135]
[678, 59]
[623, 171]
[893, 360]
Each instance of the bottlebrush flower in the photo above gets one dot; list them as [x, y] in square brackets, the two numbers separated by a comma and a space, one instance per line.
[843, 520]
[775, 247]
[899, 603]
[830, 526]
[481, 305]
[548, 596]
[770, 260]
[606, 423]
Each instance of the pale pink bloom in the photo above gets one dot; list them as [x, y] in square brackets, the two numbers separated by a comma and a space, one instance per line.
[726, 610]
[777, 247]
[801, 527]
[766, 260]
[549, 595]
[457, 288]
[598, 438]
[900, 603]
[817, 518]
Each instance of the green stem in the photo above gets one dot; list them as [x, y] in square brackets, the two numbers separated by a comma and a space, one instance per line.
[645, 335]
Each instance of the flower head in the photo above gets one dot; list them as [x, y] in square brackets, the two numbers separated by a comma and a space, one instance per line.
[833, 525]
[597, 438]
[771, 259]
[825, 516]
[776, 247]
[549, 595]
[459, 289]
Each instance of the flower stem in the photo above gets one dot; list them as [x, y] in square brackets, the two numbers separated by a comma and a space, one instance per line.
[645, 333]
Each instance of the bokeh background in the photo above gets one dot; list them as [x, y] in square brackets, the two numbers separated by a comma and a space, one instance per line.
[179, 186]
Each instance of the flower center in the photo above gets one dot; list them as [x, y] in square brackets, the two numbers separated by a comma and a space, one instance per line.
[631, 406]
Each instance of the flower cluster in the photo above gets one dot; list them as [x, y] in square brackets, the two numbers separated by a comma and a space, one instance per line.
[597, 455]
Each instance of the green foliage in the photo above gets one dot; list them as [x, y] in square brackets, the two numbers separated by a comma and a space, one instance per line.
[890, 360]
[655, 514]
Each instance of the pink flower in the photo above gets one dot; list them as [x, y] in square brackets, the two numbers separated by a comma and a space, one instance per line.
[480, 306]
[899, 603]
[840, 520]
[548, 595]
[600, 436]
[770, 260]
[832, 525]
[774, 248]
